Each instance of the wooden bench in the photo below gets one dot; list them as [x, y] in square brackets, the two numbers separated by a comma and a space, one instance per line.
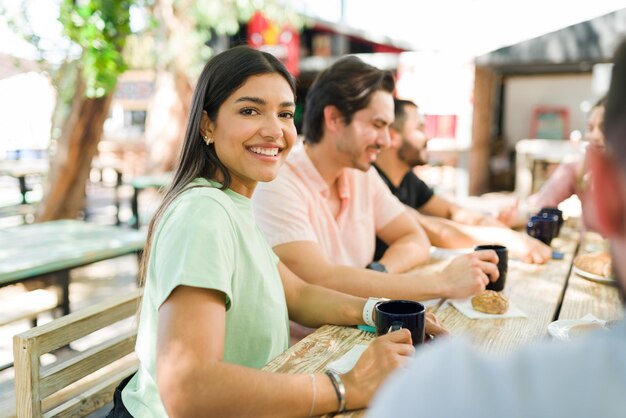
[82, 381]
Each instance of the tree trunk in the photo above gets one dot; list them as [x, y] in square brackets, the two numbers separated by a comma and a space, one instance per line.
[169, 108]
[167, 115]
[78, 144]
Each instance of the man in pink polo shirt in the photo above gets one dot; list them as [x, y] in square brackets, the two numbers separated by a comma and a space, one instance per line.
[323, 211]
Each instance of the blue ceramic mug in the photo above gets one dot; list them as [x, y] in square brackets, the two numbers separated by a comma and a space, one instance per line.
[543, 227]
[554, 211]
[392, 315]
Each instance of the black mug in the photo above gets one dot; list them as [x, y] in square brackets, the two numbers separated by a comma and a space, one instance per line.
[393, 315]
[542, 227]
[559, 215]
[503, 265]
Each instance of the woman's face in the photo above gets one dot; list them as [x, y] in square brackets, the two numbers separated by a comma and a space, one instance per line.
[595, 126]
[254, 131]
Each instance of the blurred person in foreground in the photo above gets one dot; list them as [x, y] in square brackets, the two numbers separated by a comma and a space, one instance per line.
[216, 298]
[584, 378]
[446, 224]
[322, 213]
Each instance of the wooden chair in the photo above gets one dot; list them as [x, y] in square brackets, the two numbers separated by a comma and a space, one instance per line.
[84, 381]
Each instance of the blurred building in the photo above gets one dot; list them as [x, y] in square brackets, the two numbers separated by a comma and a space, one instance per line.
[541, 88]
[27, 101]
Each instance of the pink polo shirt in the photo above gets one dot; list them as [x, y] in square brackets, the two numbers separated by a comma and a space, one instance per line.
[294, 207]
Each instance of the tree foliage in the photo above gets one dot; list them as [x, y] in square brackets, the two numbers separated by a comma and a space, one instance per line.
[100, 27]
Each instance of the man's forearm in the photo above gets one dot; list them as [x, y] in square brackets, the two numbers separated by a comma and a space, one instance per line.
[367, 283]
[408, 251]
[444, 233]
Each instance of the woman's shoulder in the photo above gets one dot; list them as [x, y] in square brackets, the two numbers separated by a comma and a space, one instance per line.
[200, 204]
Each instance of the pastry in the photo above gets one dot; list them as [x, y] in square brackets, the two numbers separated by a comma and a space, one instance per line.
[595, 263]
[490, 302]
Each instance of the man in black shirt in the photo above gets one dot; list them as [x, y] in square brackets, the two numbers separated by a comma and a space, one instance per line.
[447, 224]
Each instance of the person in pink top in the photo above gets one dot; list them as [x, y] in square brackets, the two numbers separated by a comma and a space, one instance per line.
[322, 213]
[568, 179]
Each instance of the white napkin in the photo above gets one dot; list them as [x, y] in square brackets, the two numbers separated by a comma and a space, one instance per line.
[592, 318]
[465, 307]
[346, 362]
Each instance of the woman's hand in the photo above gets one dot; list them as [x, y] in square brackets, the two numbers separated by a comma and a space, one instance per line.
[384, 355]
[434, 327]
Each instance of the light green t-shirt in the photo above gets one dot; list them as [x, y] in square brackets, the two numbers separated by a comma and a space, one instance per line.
[208, 238]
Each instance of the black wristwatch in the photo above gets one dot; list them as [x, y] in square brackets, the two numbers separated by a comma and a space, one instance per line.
[376, 266]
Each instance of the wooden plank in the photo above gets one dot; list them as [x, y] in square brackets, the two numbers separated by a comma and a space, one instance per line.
[63, 373]
[91, 400]
[535, 289]
[26, 360]
[76, 389]
[64, 330]
[584, 296]
[314, 352]
[40, 248]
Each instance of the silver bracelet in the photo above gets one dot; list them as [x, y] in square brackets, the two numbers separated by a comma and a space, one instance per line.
[340, 389]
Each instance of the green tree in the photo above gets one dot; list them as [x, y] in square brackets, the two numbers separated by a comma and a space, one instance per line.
[182, 35]
[177, 40]
[100, 28]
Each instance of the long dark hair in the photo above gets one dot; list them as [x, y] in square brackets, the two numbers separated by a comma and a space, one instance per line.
[221, 76]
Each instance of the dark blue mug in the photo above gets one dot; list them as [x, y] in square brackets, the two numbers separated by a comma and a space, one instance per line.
[554, 211]
[393, 315]
[542, 227]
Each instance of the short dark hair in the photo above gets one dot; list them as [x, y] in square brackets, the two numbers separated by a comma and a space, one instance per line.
[615, 109]
[399, 110]
[348, 85]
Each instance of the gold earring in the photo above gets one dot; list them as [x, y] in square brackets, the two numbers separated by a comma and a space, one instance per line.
[207, 140]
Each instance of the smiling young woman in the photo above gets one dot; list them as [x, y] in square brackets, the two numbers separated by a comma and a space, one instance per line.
[217, 300]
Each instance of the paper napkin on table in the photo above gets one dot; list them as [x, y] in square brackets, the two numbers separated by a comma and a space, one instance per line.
[346, 362]
[592, 318]
[465, 307]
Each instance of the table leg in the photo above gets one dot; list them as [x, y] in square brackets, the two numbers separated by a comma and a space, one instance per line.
[63, 283]
[134, 206]
[23, 188]
[117, 197]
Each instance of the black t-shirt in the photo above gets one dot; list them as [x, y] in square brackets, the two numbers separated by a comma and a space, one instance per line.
[412, 192]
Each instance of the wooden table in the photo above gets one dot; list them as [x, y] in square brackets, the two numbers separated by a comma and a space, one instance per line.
[544, 292]
[585, 296]
[141, 183]
[535, 289]
[49, 250]
[20, 169]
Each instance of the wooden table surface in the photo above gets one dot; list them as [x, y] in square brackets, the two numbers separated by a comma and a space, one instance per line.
[21, 168]
[32, 250]
[541, 291]
[47, 251]
[584, 296]
[535, 289]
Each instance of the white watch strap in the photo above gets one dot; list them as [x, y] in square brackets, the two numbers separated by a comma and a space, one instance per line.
[368, 311]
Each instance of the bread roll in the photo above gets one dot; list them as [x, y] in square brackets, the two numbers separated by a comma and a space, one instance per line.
[490, 302]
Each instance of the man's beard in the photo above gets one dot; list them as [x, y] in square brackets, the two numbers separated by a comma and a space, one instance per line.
[410, 155]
